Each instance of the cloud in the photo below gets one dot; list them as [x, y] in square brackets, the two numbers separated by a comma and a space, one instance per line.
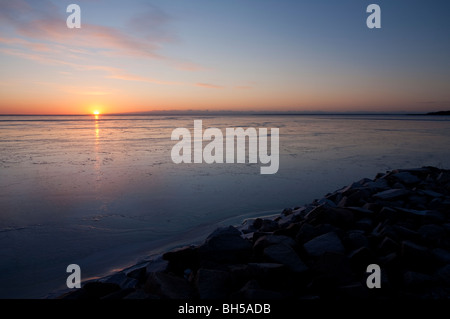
[110, 72]
[37, 22]
[209, 86]
[95, 91]
[30, 30]
[99, 39]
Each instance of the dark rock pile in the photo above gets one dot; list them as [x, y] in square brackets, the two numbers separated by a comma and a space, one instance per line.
[399, 220]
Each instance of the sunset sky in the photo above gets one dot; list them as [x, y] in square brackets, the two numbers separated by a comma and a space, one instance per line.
[137, 56]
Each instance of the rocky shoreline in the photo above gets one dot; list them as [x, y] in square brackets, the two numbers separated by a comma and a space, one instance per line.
[400, 221]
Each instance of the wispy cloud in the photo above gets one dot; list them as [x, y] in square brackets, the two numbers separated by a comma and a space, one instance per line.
[37, 21]
[98, 39]
[35, 34]
[209, 86]
[30, 30]
[109, 72]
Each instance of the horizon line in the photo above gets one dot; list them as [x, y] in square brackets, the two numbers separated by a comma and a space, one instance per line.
[229, 112]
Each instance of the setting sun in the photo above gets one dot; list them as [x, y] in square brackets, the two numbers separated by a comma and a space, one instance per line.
[96, 112]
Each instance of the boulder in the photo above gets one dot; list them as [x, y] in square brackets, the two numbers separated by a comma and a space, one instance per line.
[444, 274]
[416, 280]
[441, 255]
[268, 240]
[253, 291]
[415, 256]
[181, 259]
[213, 284]
[122, 280]
[168, 286]
[391, 194]
[93, 290]
[432, 234]
[355, 239]
[286, 255]
[329, 242]
[388, 245]
[353, 291]
[225, 245]
[406, 178]
[336, 267]
[139, 274]
[360, 258]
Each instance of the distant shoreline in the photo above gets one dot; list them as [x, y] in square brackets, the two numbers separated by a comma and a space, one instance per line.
[236, 113]
[439, 113]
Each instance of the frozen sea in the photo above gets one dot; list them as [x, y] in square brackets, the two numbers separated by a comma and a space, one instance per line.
[104, 193]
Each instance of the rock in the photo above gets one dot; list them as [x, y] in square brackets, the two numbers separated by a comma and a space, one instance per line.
[360, 258]
[225, 245]
[260, 294]
[181, 259]
[121, 280]
[364, 224]
[443, 177]
[358, 198]
[308, 232]
[287, 212]
[318, 215]
[327, 202]
[412, 212]
[266, 241]
[339, 217]
[168, 286]
[406, 178]
[432, 234]
[335, 267]
[267, 271]
[372, 207]
[378, 185]
[360, 211]
[434, 217]
[156, 265]
[213, 284]
[417, 202]
[283, 254]
[415, 256]
[353, 291]
[139, 294]
[252, 291]
[265, 225]
[97, 290]
[305, 233]
[342, 202]
[120, 294]
[414, 279]
[430, 193]
[406, 233]
[444, 274]
[391, 194]
[139, 274]
[355, 239]
[387, 213]
[328, 242]
[441, 255]
[388, 246]
[289, 230]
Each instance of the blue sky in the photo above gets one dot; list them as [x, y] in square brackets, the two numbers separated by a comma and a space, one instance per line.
[224, 55]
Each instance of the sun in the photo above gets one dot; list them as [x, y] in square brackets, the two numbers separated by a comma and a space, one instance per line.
[96, 112]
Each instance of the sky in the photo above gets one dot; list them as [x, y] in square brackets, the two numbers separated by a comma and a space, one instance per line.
[234, 55]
